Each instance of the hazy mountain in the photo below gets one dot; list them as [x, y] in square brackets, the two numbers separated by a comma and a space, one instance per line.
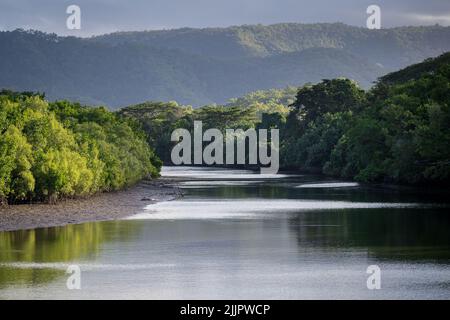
[200, 66]
[404, 44]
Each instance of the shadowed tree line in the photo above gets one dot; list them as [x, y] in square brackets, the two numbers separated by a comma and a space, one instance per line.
[398, 132]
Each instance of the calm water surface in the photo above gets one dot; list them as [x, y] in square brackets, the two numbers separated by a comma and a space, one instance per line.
[237, 234]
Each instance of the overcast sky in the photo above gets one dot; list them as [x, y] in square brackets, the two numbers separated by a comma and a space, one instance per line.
[104, 16]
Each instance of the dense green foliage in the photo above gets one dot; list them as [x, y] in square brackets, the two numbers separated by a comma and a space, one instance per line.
[206, 66]
[159, 120]
[267, 101]
[259, 108]
[415, 71]
[49, 151]
[397, 132]
[321, 114]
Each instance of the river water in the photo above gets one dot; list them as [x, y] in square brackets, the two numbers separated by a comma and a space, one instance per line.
[236, 234]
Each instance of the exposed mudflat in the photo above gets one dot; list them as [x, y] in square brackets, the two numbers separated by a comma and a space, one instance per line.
[100, 207]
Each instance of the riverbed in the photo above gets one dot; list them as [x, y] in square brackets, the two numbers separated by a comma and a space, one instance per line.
[104, 206]
[236, 234]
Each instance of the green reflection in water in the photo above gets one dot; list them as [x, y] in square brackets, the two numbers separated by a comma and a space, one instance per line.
[53, 245]
[393, 234]
[286, 189]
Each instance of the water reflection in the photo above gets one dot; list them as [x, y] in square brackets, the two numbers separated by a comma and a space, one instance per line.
[33, 257]
[329, 185]
[395, 235]
[254, 238]
[216, 174]
[253, 208]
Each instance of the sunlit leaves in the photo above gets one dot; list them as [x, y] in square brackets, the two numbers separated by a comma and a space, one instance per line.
[66, 150]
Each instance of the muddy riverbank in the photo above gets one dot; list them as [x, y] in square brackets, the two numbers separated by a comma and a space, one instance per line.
[101, 207]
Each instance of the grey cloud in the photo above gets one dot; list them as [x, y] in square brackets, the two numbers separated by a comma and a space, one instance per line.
[100, 16]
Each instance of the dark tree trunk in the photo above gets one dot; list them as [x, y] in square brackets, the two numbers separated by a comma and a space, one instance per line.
[3, 201]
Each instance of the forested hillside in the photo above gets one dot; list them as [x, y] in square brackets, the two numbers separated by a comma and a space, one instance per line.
[204, 66]
[393, 48]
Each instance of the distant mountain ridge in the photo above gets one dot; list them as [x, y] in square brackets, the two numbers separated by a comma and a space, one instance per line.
[261, 41]
[201, 66]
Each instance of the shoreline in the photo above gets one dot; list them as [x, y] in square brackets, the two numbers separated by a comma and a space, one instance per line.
[101, 207]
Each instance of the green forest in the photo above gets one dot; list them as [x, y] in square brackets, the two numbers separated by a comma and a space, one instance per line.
[399, 131]
[396, 132]
[56, 150]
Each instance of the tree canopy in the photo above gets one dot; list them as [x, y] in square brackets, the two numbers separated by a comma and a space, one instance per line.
[62, 149]
[399, 131]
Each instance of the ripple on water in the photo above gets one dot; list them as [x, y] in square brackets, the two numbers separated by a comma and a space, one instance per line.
[329, 185]
[84, 266]
[214, 173]
[212, 184]
[253, 208]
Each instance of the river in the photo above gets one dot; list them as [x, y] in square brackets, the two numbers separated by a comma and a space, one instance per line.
[238, 234]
